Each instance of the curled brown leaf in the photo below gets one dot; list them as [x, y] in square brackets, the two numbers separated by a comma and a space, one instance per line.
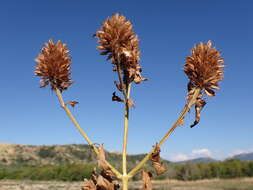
[130, 103]
[155, 158]
[88, 185]
[119, 86]
[106, 171]
[104, 184]
[198, 107]
[116, 98]
[73, 103]
[146, 178]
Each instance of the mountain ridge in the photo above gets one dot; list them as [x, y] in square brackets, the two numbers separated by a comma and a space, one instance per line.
[34, 155]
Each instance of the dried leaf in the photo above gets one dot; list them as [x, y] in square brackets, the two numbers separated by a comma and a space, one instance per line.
[198, 107]
[88, 185]
[106, 171]
[159, 168]
[116, 98]
[101, 158]
[155, 158]
[119, 86]
[146, 178]
[130, 103]
[104, 184]
[190, 88]
[73, 103]
[66, 85]
[44, 83]
[94, 175]
[209, 92]
[181, 122]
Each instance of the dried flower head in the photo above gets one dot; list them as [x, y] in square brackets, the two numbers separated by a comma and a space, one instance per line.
[53, 66]
[120, 43]
[155, 158]
[204, 67]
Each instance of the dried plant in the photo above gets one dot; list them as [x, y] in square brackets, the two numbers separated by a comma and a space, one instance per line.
[53, 66]
[117, 40]
[204, 68]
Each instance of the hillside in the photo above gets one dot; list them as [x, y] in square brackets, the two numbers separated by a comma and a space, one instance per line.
[244, 157]
[30, 155]
[198, 160]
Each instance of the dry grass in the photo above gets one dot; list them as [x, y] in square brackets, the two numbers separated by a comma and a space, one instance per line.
[213, 184]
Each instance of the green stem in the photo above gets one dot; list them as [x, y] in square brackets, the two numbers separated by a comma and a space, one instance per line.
[125, 183]
[126, 117]
[166, 136]
[72, 118]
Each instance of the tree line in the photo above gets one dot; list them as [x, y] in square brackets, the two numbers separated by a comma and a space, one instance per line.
[77, 172]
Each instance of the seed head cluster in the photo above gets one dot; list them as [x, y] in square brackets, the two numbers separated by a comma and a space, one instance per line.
[53, 66]
[204, 67]
[120, 43]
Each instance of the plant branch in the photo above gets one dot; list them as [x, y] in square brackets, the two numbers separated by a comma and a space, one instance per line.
[126, 117]
[166, 136]
[72, 118]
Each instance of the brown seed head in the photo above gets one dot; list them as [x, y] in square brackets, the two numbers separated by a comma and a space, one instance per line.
[53, 66]
[120, 43]
[204, 67]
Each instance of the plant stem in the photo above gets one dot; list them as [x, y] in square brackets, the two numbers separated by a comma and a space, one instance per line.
[124, 151]
[166, 136]
[72, 118]
[126, 117]
[125, 183]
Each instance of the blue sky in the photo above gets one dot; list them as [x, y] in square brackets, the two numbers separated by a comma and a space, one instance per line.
[167, 31]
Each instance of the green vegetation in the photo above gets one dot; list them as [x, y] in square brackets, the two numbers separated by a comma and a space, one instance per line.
[77, 172]
[67, 172]
[228, 169]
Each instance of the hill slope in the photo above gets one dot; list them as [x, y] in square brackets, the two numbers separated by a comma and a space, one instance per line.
[30, 155]
[199, 160]
[244, 157]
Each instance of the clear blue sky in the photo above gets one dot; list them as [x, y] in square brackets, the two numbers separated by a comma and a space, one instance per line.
[167, 31]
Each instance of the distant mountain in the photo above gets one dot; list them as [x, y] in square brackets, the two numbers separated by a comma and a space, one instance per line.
[30, 155]
[244, 156]
[199, 160]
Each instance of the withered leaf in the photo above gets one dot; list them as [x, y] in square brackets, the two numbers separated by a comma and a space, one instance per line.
[159, 168]
[104, 52]
[181, 122]
[209, 92]
[66, 85]
[155, 158]
[130, 102]
[44, 83]
[104, 184]
[108, 174]
[119, 86]
[138, 79]
[88, 185]
[94, 175]
[101, 158]
[106, 171]
[190, 88]
[116, 98]
[146, 178]
[198, 107]
[73, 103]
